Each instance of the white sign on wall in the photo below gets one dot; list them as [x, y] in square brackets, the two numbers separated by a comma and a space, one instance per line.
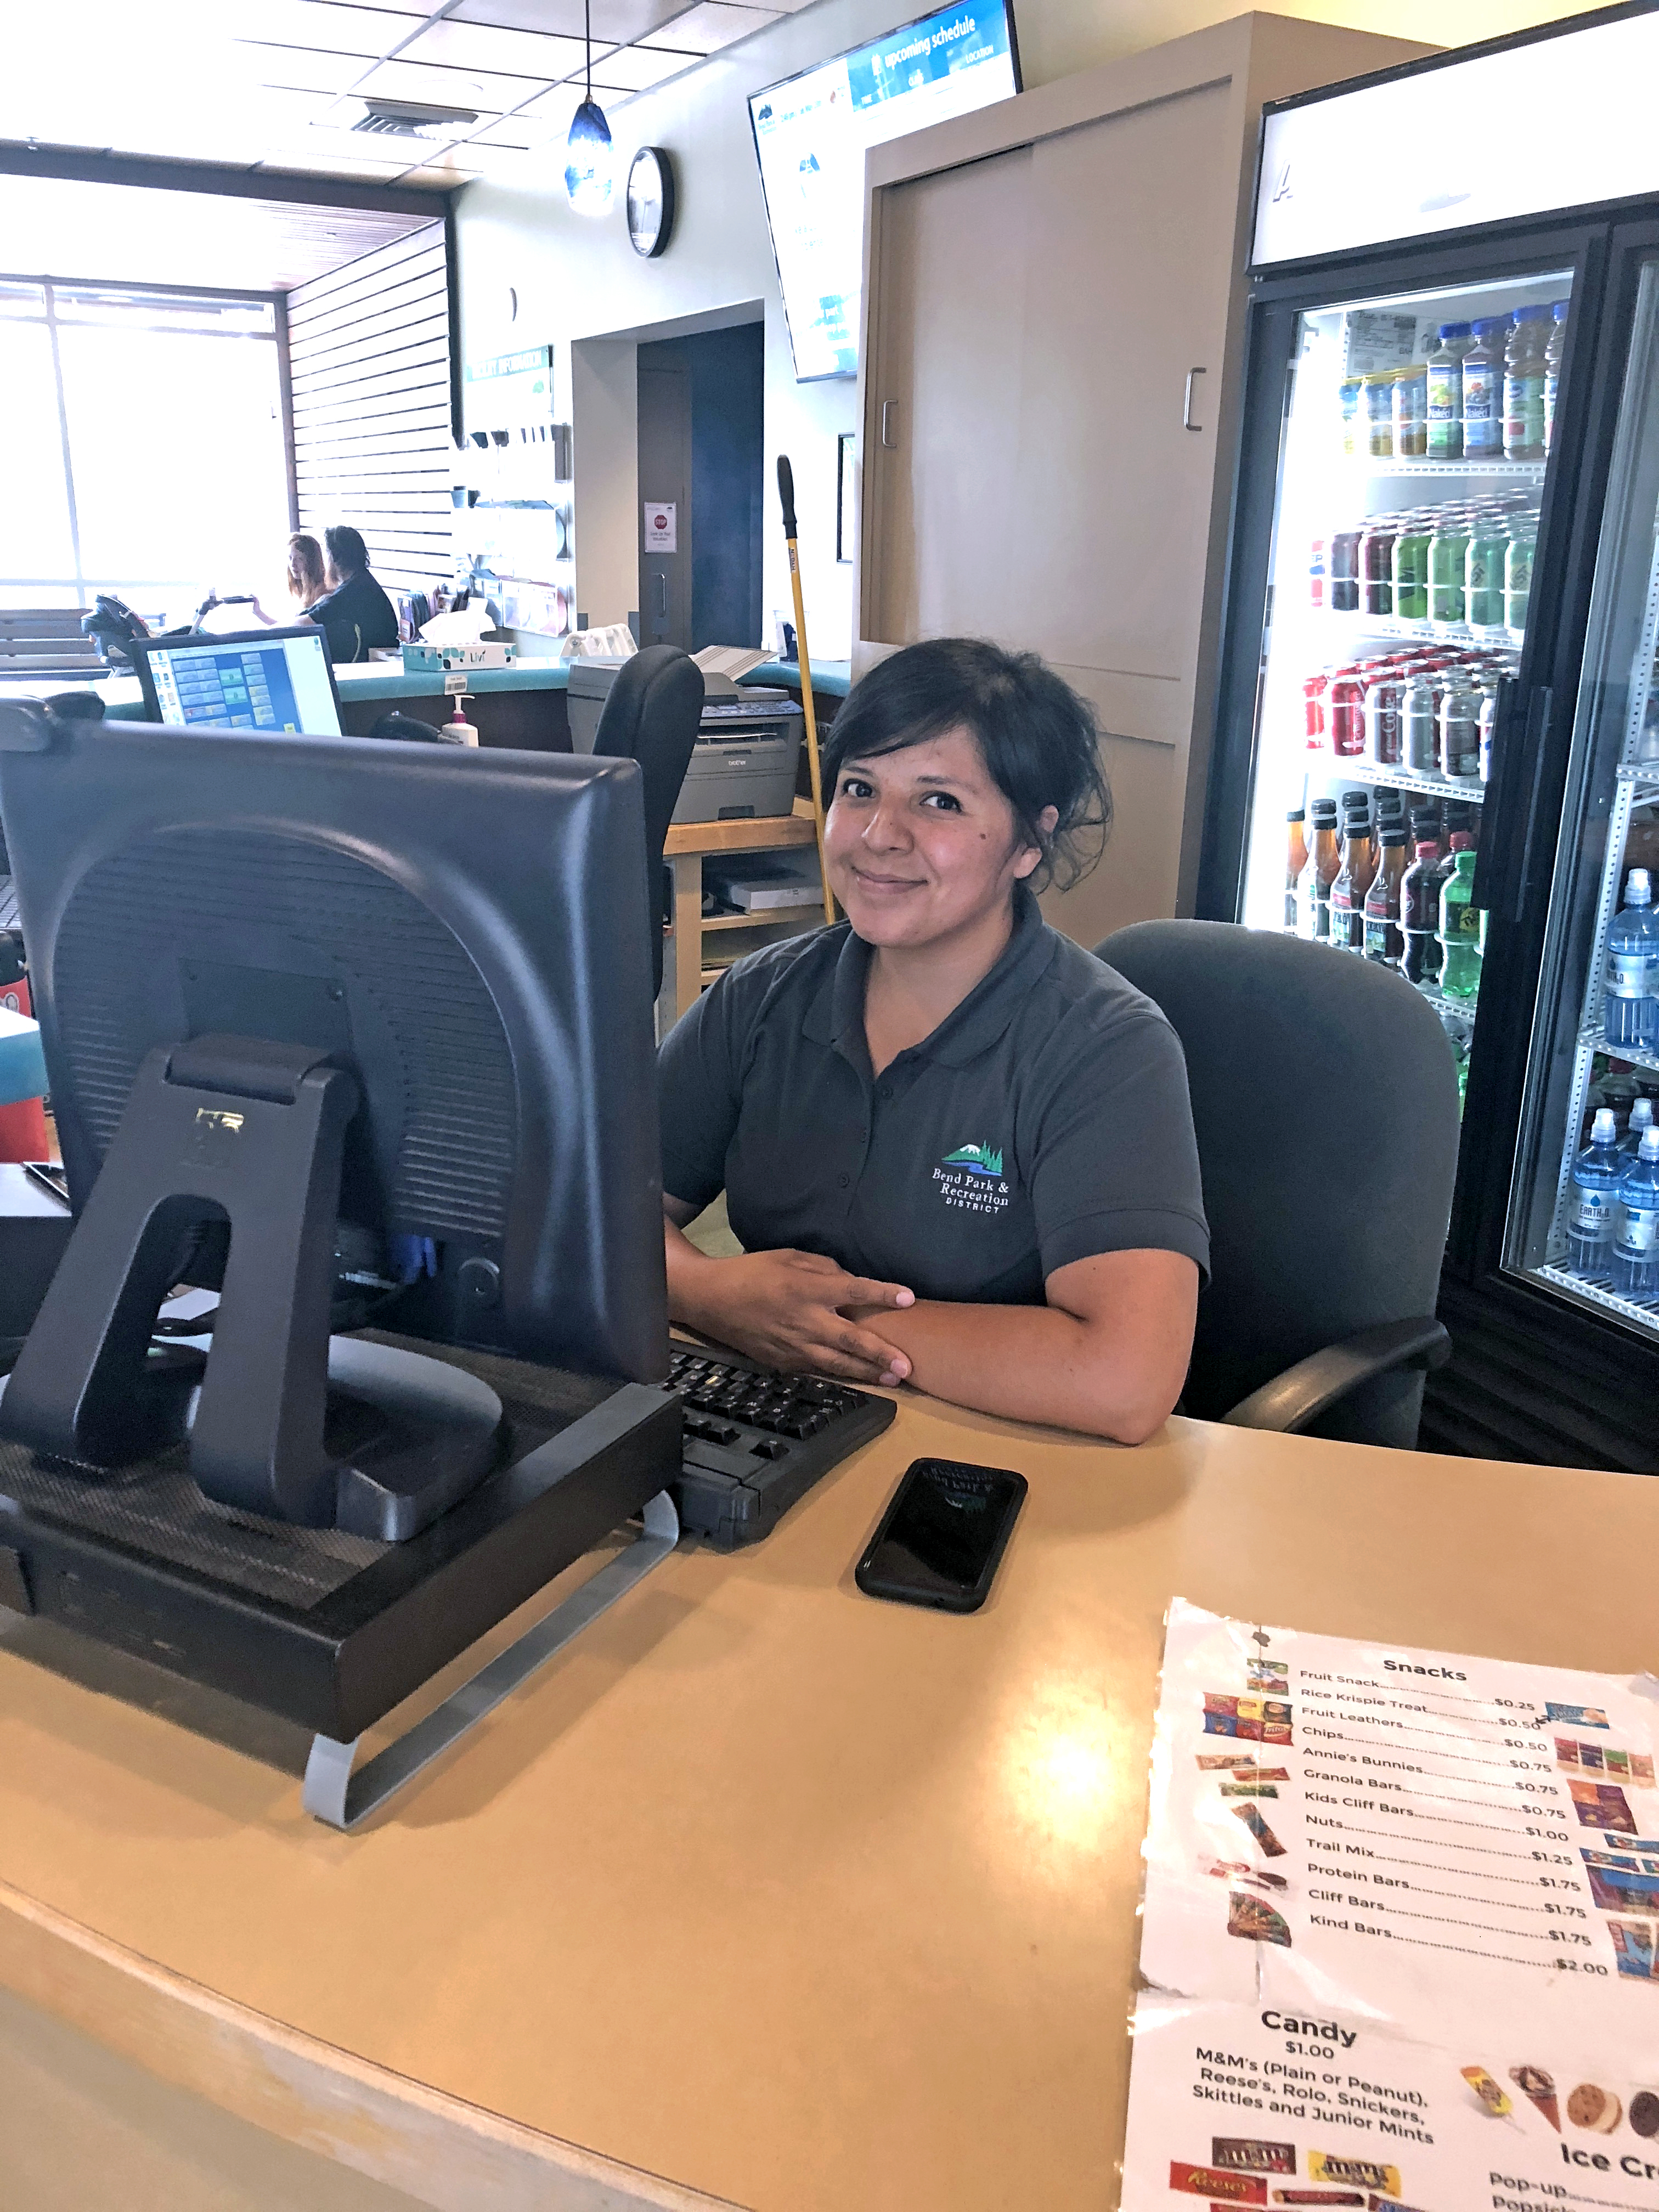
[661, 527]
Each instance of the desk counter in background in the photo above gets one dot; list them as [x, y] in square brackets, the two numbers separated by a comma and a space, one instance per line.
[522, 706]
[762, 1888]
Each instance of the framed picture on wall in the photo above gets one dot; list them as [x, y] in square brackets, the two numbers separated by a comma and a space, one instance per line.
[845, 519]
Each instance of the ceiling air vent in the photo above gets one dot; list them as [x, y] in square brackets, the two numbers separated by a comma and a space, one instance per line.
[410, 119]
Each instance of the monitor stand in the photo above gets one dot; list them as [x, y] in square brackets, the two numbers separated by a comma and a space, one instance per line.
[243, 1132]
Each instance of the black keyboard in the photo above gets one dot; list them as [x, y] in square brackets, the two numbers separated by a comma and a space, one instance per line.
[755, 1442]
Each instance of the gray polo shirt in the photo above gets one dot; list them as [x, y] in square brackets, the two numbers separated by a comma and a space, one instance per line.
[1044, 1121]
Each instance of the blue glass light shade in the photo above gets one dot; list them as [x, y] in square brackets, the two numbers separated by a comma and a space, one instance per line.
[588, 177]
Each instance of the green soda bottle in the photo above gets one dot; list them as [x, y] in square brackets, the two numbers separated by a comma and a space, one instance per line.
[1449, 549]
[1460, 932]
[1483, 572]
[1411, 568]
[1518, 570]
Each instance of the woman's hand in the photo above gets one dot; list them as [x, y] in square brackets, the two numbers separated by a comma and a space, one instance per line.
[786, 1310]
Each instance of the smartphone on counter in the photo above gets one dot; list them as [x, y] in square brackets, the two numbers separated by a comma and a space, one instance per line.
[942, 1534]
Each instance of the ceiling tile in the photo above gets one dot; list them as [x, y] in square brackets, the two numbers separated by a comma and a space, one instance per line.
[323, 24]
[711, 25]
[636, 69]
[293, 68]
[617, 22]
[444, 88]
[478, 46]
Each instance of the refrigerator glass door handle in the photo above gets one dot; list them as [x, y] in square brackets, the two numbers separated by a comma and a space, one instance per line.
[1505, 743]
[1187, 421]
[1538, 730]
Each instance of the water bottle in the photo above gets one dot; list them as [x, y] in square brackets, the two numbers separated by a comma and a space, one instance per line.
[1641, 1119]
[1635, 1245]
[1630, 1002]
[1596, 1175]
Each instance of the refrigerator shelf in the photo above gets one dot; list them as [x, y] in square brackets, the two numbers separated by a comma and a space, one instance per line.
[1367, 464]
[1419, 626]
[1645, 780]
[1643, 1312]
[1360, 770]
[1593, 1039]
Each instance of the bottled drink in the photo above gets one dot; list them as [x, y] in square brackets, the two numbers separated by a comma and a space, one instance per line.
[1419, 910]
[1523, 383]
[1344, 714]
[1384, 940]
[1382, 731]
[1483, 573]
[1353, 428]
[1488, 725]
[1314, 689]
[1636, 1240]
[1376, 565]
[1296, 861]
[1411, 413]
[1411, 568]
[1313, 887]
[1379, 416]
[1641, 1119]
[1449, 549]
[1316, 572]
[1518, 573]
[1460, 728]
[1630, 1002]
[1552, 353]
[1342, 567]
[1483, 391]
[1357, 830]
[1596, 1175]
[1460, 931]
[1347, 924]
[1444, 394]
[1420, 733]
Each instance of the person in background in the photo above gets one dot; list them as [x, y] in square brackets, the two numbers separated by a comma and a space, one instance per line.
[307, 581]
[353, 614]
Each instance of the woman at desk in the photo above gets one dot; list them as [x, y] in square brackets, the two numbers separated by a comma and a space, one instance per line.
[957, 1148]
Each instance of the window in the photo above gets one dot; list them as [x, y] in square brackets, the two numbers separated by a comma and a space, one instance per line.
[144, 452]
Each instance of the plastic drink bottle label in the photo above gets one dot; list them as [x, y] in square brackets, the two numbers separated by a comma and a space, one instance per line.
[1639, 1233]
[1592, 1213]
[1630, 974]
[1483, 427]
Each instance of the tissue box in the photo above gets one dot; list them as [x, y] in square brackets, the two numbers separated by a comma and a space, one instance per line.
[480, 653]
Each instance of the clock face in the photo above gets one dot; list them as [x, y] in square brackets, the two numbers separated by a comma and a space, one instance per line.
[650, 200]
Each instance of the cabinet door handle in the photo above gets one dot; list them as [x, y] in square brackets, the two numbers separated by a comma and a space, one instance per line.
[889, 421]
[1187, 421]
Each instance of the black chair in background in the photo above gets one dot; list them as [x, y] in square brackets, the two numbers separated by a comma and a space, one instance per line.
[1325, 1100]
[652, 715]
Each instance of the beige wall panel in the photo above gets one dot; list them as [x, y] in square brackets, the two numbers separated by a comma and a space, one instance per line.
[1126, 291]
[1135, 880]
[953, 332]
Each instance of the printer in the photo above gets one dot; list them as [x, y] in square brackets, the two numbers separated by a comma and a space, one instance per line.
[743, 763]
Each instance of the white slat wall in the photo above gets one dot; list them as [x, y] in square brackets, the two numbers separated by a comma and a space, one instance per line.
[368, 351]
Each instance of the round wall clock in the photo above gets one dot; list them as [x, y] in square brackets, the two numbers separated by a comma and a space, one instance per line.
[650, 200]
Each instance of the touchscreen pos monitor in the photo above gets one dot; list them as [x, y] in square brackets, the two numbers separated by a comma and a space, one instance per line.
[280, 680]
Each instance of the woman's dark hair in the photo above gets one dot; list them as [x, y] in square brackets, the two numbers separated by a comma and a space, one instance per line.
[346, 549]
[1038, 737]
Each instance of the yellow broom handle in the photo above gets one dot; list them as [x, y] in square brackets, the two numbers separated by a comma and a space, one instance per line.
[787, 493]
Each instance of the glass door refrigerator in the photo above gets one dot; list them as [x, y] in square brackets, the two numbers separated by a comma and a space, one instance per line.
[1437, 726]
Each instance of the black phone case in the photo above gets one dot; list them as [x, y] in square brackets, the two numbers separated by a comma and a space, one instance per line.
[966, 1601]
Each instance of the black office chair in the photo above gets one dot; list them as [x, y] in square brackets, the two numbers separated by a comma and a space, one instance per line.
[651, 716]
[1325, 1099]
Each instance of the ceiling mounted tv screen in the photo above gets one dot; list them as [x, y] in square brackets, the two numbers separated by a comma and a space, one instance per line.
[811, 133]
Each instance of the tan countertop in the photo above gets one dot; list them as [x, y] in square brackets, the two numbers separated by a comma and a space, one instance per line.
[784, 1894]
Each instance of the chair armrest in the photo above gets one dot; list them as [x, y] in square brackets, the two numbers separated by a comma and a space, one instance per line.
[1324, 1378]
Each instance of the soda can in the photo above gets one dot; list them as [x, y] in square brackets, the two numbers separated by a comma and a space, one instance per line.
[1382, 727]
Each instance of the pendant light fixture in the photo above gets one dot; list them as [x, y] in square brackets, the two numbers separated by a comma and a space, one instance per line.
[588, 180]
